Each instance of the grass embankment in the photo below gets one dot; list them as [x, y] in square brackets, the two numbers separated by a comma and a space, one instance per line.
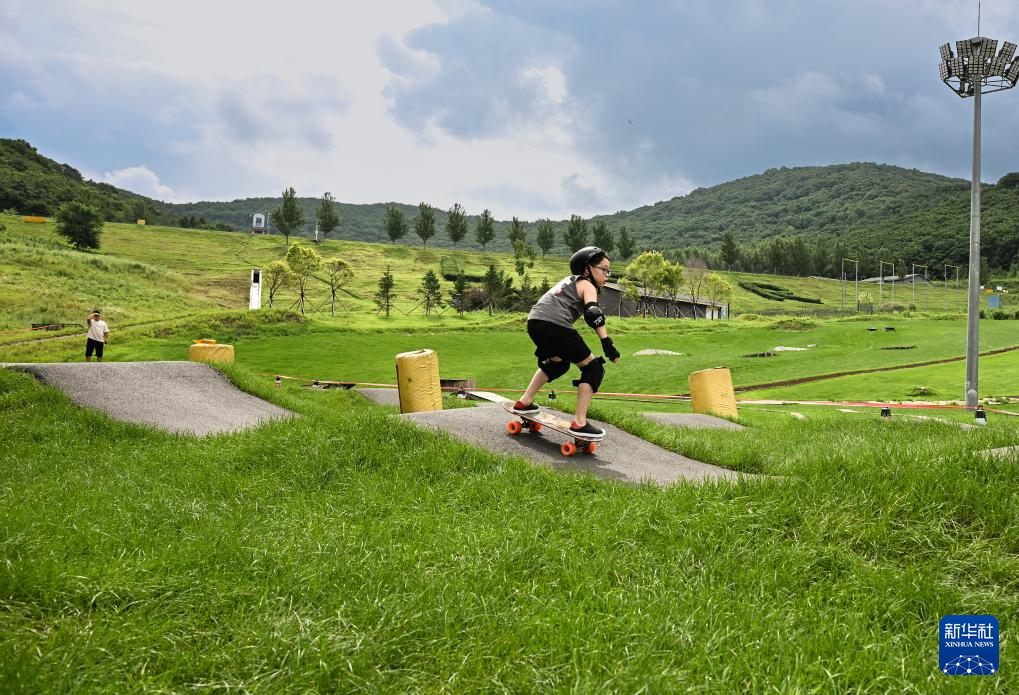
[347, 550]
[147, 273]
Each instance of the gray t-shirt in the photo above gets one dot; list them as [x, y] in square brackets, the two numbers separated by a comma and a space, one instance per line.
[561, 305]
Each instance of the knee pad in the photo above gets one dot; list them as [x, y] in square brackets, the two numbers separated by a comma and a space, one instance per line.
[553, 370]
[592, 373]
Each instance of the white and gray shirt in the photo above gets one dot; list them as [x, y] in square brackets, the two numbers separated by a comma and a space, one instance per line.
[561, 305]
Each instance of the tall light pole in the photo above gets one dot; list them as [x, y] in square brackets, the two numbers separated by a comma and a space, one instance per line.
[976, 70]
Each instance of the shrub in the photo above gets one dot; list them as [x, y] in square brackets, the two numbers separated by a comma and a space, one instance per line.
[774, 292]
[794, 325]
[80, 223]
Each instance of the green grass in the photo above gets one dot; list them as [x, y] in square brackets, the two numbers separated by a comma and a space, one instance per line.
[304, 556]
[347, 550]
[498, 354]
[146, 273]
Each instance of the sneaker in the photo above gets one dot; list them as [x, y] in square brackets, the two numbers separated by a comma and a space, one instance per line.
[521, 409]
[588, 430]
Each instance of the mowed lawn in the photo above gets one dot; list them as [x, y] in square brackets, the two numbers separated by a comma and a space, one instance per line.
[348, 551]
[504, 358]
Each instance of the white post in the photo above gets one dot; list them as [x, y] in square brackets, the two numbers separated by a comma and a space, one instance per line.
[255, 293]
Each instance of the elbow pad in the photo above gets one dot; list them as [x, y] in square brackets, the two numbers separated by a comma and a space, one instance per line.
[593, 315]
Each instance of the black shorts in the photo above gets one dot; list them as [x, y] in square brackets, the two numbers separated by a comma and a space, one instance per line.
[553, 340]
[96, 345]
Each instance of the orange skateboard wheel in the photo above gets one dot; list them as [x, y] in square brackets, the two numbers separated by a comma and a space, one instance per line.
[568, 449]
[590, 448]
[514, 427]
[536, 427]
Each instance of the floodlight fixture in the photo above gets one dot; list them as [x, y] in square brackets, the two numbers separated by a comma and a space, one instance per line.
[978, 62]
[975, 69]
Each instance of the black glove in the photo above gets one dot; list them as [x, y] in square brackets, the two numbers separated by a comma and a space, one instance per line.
[609, 349]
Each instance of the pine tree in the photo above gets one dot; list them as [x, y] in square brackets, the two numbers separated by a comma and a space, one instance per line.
[546, 236]
[394, 224]
[430, 291]
[384, 296]
[287, 217]
[424, 223]
[575, 235]
[627, 244]
[456, 224]
[326, 215]
[484, 232]
[517, 232]
[459, 293]
[603, 237]
[730, 250]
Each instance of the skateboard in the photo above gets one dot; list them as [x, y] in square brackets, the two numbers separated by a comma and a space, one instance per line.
[535, 422]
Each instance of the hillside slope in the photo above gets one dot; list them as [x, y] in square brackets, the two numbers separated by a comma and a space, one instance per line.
[31, 184]
[873, 210]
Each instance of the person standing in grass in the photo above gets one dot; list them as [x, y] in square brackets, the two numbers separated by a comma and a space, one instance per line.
[557, 342]
[98, 335]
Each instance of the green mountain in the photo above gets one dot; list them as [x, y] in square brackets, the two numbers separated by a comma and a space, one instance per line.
[31, 184]
[800, 220]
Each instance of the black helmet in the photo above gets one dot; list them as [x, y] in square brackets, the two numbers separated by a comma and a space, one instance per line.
[589, 255]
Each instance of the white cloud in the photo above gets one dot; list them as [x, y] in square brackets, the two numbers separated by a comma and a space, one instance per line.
[140, 179]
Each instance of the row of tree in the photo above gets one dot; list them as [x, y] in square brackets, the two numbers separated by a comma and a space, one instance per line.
[804, 255]
[575, 235]
[289, 215]
[495, 293]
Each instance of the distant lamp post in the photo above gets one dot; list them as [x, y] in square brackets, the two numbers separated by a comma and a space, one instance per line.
[974, 71]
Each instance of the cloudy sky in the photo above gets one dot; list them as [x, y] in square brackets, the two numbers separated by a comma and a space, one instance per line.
[527, 107]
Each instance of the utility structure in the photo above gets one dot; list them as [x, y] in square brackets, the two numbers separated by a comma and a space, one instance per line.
[856, 282]
[976, 69]
[947, 266]
[881, 283]
[913, 267]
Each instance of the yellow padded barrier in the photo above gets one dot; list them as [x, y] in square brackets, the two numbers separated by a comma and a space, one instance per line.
[417, 378]
[210, 351]
[711, 392]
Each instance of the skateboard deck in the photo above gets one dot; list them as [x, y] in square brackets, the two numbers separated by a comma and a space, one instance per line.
[535, 422]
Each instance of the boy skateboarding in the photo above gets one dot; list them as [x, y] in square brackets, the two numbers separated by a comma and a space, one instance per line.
[557, 342]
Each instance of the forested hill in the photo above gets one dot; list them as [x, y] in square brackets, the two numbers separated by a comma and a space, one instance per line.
[865, 210]
[831, 200]
[31, 184]
[827, 200]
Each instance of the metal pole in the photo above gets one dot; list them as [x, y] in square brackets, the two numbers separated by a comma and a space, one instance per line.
[843, 276]
[912, 271]
[894, 279]
[973, 308]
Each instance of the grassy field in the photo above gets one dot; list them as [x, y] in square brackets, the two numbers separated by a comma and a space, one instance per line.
[146, 273]
[304, 556]
[347, 550]
[496, 353]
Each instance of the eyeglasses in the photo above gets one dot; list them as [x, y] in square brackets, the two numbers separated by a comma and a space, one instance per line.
[608, 273]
